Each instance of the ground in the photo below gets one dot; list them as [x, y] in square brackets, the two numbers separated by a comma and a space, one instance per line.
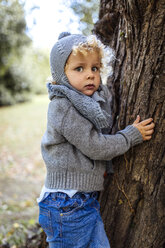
[22, 170]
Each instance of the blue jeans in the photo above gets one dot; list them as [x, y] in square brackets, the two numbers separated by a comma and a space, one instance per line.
[73, 222]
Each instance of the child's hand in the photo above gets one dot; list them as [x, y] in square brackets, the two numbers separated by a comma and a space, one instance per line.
[146, 127]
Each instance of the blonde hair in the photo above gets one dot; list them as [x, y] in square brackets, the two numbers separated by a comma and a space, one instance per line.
[92, 44]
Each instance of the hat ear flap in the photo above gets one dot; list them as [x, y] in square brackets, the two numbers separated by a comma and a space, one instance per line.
[63, 34]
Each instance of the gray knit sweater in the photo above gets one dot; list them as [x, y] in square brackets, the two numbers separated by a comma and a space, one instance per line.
[75, 151]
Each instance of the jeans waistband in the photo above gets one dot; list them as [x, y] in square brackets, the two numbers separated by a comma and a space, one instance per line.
[87, 195]
[78, 195]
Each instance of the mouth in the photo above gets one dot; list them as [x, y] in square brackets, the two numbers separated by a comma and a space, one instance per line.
[90, 86]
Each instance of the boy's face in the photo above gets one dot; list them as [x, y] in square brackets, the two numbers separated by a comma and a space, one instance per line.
[83, 72]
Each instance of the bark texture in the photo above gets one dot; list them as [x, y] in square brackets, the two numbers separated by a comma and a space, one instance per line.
[133, 202]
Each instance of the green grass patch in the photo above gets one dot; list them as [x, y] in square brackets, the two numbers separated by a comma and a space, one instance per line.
[22, 126]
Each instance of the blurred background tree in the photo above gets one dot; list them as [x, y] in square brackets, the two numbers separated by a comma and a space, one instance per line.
[12, 41]
[87, 11]
[20, 63]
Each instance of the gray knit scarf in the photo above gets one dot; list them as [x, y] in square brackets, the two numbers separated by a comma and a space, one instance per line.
[87, 106]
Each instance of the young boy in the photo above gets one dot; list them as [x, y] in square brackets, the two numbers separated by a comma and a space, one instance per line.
[76, 146]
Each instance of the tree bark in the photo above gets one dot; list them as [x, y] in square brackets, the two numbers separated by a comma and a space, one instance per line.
[133, 202]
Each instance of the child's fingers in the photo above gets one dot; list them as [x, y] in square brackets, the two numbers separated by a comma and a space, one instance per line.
[150, 126]
[147, 137]
[146, 122]
[137, 119]
[145, 127]
[149, 132]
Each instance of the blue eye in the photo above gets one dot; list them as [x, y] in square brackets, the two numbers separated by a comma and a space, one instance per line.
[80, 69]
[95, 68]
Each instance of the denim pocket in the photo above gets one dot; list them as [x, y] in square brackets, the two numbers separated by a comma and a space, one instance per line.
[71, 207]
[45, 221]
[95, 205]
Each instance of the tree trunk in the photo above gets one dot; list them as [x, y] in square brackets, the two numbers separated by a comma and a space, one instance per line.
[133, 202]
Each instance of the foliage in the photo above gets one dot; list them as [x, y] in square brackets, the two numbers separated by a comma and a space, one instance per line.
[17, 234]
[23, 68]
[87, 11]
[13, 39]
[36, 69]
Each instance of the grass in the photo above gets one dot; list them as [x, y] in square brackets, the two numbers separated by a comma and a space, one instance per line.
[22, 125]
[22, 170]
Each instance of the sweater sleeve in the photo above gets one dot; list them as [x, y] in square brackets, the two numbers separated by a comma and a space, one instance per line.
[82, 134]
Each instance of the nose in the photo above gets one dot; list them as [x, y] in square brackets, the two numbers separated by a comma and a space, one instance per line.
[90, 74]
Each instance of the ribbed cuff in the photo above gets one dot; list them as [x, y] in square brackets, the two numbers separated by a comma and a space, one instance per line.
[133, 135]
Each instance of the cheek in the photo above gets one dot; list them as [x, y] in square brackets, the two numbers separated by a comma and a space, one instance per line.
[70, 76]
[78, 77]
[98, 79]
[74, 79]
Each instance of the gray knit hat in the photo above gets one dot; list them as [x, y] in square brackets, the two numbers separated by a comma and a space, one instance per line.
[61, 51]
